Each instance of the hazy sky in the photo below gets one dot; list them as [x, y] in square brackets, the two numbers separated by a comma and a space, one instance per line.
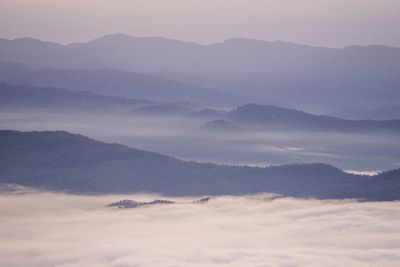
[333, 23]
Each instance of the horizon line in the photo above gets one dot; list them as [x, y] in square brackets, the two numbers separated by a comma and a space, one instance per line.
[192, 42]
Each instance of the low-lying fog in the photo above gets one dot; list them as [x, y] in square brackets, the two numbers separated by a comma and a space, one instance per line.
[48, 230]
[181, 137]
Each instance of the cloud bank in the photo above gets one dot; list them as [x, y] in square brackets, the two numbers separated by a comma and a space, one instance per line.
[45, 229]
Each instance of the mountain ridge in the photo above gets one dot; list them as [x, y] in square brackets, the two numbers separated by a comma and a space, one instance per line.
[62, 161]
[327, 78]
[27, 97]
[114, 83]
[274, 116]
[128, 36]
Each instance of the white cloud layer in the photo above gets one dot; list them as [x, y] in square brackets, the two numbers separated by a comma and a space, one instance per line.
[43, 230]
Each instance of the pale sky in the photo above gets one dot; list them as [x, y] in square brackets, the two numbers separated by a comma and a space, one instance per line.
[332, 23]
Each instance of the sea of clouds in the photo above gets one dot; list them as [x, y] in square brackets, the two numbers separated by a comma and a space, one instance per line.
[47, 230]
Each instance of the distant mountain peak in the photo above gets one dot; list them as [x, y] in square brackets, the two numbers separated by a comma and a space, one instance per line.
[114, 37]
[243, 40]
[25, 41]
[122, 37]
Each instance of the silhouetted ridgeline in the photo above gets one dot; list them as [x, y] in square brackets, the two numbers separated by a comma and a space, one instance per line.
[68, 162]
[280, 73]
[272, 117]
[114, 83]
[247, 117]
[26, 97]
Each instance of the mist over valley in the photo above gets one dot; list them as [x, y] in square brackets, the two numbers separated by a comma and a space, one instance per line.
[199, 133]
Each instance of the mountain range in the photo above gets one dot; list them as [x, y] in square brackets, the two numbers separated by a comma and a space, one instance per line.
[273, 117]
[247, 117]
[278, 73]
[115, 83]
[67, 162]
[34, 98]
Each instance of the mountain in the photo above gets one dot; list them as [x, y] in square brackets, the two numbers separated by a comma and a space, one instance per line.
[272, 117]
[34, 98]
[115, 83]
[279, 73]
[25, 97]
[62, 161]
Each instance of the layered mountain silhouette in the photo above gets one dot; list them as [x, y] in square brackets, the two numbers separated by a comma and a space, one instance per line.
[272, 117]
[247, 117]
[238, 55]
[115, 83]
[281, 73]
[25, 97]
[68, 162]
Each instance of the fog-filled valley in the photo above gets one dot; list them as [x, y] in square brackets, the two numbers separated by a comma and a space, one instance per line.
[141, 150]
[46, 229]
[186, 137]
[255, 135]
